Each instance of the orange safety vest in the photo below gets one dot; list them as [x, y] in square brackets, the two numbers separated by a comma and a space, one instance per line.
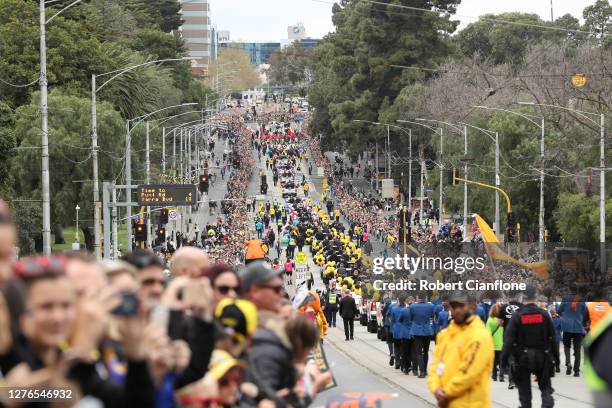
[597, 312]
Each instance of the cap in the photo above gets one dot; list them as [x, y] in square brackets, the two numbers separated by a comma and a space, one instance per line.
[221, 362]
[460, 297]
[256, 273]
[238, 318]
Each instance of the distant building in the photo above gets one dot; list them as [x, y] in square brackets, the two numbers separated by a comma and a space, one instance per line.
[296, 32]
[258, 52]
[196, 31]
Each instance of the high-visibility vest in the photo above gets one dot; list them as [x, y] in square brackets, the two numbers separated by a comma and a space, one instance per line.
[595, 382]
[332, 299]
[597, 312]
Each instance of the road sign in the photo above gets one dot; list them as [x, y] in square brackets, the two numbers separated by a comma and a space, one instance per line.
[579, 80]
[172, 215]
[167, 194]
[387, 188]
[300, 258]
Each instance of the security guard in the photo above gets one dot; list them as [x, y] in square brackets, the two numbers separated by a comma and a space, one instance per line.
[331, 308]
[530, 339]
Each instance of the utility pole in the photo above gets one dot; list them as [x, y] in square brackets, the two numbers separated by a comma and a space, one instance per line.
[164, 151]
[465, 188]
[376, 164]
[388, 153]
[114, 216]
[552, 16]
[541, 215]
[441, 175]
[128, 190]
[94, 159]
[497, 223]
[174, 152]
[410, 170]
[602, 199]
[422, 190]
[148, 181]
[44, 113]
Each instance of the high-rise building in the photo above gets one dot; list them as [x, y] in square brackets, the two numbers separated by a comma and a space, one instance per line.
[196, 33]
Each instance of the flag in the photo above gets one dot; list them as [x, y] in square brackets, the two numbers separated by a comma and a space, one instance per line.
[495, 252]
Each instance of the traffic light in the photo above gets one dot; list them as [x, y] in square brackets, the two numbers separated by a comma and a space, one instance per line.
[163, 216]
[511, 227]
[203, 184]
[160, 235]
[450, 177]
[140, 233]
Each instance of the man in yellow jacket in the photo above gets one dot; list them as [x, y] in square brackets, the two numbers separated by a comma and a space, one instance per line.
[460, 375]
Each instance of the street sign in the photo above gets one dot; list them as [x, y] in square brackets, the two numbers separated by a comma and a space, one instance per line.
[300, 258]
[579, 80]
[166, 194]
[172, 215]
[387, 188]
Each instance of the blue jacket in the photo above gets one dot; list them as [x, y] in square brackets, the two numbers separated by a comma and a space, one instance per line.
[442, 320]
[557, 325]
[480, 311]
[396, 310]
[405, 322]
[571, 320]
[422, 315]
[387, 314]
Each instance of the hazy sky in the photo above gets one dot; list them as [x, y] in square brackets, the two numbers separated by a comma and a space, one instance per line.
[267, 20]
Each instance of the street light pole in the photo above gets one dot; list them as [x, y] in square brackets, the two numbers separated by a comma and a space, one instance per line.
[164, 151]
[440, 208]
[388, 153]
[602, 198]
[541, 214]
[148, 181]
[497, 225]
[410, 170]
[94, 159]
[128, 182]
[77, 237]
[44, 113]
[465, 185]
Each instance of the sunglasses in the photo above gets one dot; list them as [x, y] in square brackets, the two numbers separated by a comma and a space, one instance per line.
[224, 289]
[6, 219]
[276, 288]
[40, 265]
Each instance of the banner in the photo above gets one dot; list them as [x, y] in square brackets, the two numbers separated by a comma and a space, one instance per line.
[319, 359]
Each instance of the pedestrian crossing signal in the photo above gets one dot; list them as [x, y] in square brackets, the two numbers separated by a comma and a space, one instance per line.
[140, 233]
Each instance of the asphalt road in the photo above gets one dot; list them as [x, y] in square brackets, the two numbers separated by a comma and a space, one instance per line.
[352, 377]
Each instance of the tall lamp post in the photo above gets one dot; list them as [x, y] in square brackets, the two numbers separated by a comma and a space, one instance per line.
[602, 167]
[490, 134]
[465, 168]
[440, 132]
[540, 125]
[44, 114]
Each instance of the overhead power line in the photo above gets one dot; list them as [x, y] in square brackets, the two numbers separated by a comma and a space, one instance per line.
[488, 19]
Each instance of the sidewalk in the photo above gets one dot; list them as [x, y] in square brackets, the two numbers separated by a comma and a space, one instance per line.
[371, 353]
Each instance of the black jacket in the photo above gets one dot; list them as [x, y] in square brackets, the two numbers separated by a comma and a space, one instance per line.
[348, 308]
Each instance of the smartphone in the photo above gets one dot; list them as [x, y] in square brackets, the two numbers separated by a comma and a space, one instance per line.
[129, 305]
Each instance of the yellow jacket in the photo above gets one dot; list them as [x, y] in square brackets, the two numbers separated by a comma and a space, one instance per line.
[462, 364]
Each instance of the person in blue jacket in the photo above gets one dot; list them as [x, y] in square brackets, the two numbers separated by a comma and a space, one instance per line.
[422, 314]
[572, 311]
[481, 312]
[442, 317]
[405, 322]
[386, 312]
[556, 319]
[396, 328]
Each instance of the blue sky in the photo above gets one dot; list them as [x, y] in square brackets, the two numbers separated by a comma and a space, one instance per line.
[267, 20]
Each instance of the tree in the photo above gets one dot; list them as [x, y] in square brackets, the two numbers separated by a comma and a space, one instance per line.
[28, 218]
[577, 219]
[598, 20]
[356, 78]
[232, 71]
[290, 65]
[69, 151]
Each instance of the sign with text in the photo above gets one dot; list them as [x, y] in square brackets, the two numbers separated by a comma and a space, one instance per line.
[387, 188]
[167, 194]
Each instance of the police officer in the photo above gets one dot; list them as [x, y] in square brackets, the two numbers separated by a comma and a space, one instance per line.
[331, 307]
[530, 339]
